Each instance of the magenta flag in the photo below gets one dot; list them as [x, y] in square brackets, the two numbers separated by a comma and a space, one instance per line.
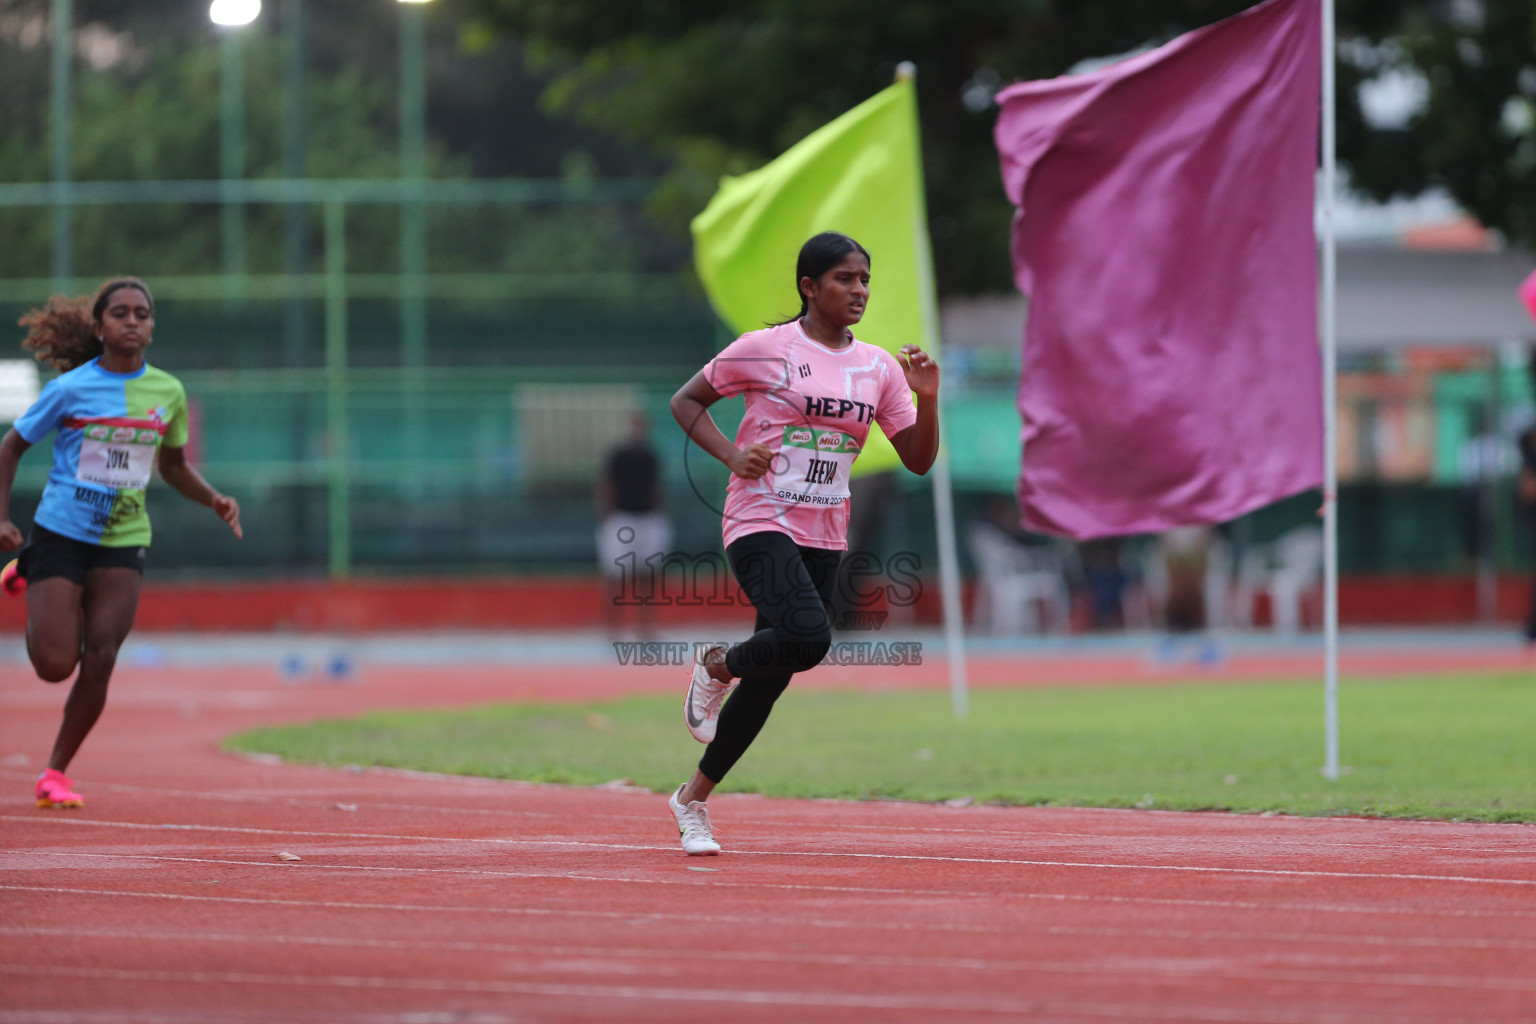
[1528, 294]
[1164, 237]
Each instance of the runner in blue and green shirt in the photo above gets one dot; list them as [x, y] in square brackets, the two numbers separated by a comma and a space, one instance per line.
[116, 418]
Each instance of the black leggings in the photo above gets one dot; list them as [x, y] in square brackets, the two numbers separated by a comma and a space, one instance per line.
[790, 586]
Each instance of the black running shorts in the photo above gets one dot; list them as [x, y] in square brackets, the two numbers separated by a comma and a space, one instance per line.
[48, 554]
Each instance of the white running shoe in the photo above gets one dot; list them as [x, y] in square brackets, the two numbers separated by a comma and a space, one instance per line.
[701, 709]
[693, 826]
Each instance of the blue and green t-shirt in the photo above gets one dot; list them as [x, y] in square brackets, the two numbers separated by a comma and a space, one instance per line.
[111, 426]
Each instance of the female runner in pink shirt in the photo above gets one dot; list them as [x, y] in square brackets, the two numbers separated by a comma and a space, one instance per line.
[811, 391]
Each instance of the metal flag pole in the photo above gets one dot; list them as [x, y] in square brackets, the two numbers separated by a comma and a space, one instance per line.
[61, 25]
[1330, 462]
[949, 584]
[943, 496]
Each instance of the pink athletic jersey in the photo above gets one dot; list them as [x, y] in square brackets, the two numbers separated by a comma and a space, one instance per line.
[813, 406]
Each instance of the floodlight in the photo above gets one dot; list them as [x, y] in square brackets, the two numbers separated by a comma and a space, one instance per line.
[234, 12]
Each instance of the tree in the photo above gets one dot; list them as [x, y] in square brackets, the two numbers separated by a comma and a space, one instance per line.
[152, 113]
[1474, 132]
[146, 107]
[724, 87]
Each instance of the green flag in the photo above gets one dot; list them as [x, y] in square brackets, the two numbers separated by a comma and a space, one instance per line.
[861, 175]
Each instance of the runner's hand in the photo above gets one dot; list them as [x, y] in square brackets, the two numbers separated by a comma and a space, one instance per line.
[751, 462]
[228, 509]
[921, 371]
[10, 536]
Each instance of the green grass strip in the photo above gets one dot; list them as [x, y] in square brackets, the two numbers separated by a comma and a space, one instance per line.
[1456, 747]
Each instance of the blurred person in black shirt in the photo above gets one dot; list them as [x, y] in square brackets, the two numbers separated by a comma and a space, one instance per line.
[633, 528]
[1525, 493]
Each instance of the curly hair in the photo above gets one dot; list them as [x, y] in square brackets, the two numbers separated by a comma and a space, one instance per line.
[62, 331]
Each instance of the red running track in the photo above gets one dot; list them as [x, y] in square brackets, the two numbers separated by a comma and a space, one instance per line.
[426, 900]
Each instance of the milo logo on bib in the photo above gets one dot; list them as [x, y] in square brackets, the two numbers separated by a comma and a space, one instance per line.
[815, 466]
[836, 441]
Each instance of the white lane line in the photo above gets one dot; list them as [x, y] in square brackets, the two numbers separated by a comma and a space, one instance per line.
[757, 997]
[568, 876]
[793, 922]
[696, 952]
[203, 1015]
[1388, 876]
[952, 1005]
[1164, 969]
[691, 919]
[213, 700]
[564, 876]
[1519, 841]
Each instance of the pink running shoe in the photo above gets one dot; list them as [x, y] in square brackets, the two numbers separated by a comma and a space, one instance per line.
[11, 581]
[54, 790]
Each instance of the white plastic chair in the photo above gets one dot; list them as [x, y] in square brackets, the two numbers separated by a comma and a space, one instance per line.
[1298, 567]
[1286, 569]
[1014, 582]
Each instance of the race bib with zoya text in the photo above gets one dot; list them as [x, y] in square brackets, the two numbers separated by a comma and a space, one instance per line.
[117, 457]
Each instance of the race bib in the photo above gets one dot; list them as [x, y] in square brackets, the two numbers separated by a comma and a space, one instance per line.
[117, 457]
[813, 465]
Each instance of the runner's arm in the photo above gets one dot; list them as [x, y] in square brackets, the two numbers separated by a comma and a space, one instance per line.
[690, 407]
[176, 471]
[12, 446]
[918, 445]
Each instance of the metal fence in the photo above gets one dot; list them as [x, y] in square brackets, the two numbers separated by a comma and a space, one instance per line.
[436, 398]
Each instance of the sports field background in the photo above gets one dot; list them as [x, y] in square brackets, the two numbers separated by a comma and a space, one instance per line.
[377, 762]
[1435, 724]
[1449, 746]
[410, 373]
